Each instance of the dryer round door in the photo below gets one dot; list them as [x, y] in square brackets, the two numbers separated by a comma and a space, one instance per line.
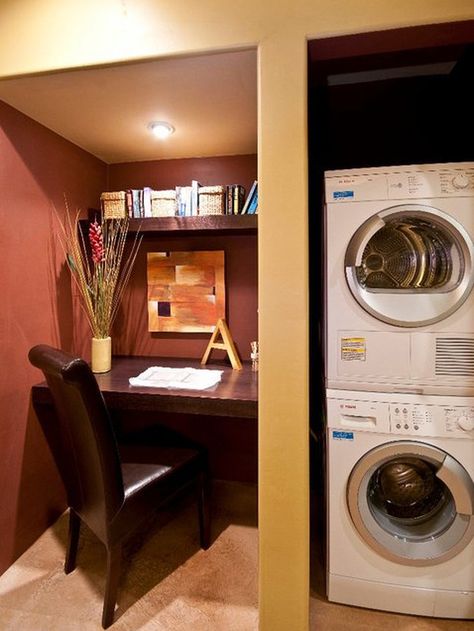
[410, 265]
[412, 503]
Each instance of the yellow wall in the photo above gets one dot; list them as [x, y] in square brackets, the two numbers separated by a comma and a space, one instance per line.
[39, 36]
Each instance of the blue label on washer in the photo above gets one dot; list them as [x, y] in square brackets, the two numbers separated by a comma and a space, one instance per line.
[339, 194]
[338, 435]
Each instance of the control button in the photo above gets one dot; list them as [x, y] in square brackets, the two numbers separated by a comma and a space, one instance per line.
[460, 181]
[405, 411]
[398, 426]
[397, 411]
[466, 423]
[406, 426]
[415, 427]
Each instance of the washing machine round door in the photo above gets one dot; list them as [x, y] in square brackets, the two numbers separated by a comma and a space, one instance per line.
[412, 503]
[410, 265]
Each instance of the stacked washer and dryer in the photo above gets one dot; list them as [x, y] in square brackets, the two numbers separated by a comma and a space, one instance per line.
[400, 388]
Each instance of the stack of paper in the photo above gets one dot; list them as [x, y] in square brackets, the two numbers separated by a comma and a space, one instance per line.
[188, 378]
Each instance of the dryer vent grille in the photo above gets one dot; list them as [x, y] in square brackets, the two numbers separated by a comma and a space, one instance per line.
[455, 356]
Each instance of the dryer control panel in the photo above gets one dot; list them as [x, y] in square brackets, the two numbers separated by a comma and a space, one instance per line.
[400, 182]
[430, 420]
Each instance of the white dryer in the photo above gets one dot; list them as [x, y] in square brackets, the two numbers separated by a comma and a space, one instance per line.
[401, 502]
[399, 277]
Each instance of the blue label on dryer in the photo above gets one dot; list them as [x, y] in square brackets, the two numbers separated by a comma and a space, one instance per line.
[342, 194]
[338, 435]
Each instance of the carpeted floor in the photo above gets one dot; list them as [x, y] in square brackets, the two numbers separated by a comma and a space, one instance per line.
[169, 584]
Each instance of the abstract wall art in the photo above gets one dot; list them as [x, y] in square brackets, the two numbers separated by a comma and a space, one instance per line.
[186, 291]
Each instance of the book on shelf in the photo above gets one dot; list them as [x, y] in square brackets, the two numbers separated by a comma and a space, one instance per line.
[136, 203]
[146, 201]
[179, 204]
[250, 196]
[183, 201]
[239, 194]
[234, 198]
[253, 204]
[228, 205]
[129, 202]
[195, 186]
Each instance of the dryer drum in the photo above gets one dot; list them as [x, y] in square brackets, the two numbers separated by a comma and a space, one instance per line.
[408, 489]
[407, 253]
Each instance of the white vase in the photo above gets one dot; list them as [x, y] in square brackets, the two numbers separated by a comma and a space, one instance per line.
[101, 360]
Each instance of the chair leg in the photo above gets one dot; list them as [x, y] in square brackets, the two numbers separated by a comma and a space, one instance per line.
[71, 552]
[114, 558]
[204, 510]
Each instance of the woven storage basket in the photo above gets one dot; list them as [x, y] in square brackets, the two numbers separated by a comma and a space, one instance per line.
[113, 205]
[163, 203]
[211, 200]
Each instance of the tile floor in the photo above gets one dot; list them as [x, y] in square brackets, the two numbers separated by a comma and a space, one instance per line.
[169, 584]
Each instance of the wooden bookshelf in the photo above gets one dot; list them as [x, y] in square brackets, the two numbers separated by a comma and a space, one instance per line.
[231, 224]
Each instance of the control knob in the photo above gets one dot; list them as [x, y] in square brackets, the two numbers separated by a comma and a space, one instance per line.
[466, 423]
[460, 181]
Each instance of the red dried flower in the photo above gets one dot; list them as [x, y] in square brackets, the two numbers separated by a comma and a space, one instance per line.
[97, 242]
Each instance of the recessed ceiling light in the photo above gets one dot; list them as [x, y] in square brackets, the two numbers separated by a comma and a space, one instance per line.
[160, 129]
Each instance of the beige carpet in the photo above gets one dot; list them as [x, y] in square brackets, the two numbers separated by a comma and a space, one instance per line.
[169, 584]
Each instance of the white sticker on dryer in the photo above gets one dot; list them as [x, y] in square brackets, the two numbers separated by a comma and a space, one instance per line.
[353, 349]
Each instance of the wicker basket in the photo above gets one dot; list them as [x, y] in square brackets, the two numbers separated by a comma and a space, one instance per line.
[163, 203]
[114, 205]
[211, 200]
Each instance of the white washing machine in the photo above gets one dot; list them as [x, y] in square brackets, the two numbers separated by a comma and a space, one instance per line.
[400, 502]
[399, 277]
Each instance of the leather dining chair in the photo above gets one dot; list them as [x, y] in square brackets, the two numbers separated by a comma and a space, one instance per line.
[113, 488]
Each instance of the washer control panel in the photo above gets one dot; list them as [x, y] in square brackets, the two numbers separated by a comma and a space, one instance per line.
[429, 420]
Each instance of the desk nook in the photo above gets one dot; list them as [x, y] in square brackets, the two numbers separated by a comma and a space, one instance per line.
[222, 418]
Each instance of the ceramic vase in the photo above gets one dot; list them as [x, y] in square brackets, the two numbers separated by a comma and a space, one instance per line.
[101, 360]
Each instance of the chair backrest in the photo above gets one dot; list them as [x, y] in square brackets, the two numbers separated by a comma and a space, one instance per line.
[90, 466]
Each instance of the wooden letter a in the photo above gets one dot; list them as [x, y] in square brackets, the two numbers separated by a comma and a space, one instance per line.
[222, 340]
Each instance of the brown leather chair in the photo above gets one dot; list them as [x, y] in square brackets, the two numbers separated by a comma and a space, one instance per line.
[110, 487]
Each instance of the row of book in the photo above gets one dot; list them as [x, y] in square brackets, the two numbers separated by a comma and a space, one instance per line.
[182, 201]
[205, 200]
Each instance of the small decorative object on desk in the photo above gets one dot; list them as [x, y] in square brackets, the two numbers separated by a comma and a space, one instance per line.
[254, 355]
[221, 339]
[101, 272]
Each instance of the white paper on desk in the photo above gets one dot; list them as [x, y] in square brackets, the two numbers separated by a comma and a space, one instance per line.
[187, 378]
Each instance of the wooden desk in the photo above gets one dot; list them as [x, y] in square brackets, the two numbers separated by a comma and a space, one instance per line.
[235, 395]
[223, 417]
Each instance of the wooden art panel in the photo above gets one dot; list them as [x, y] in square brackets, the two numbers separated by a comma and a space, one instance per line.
[186, 291]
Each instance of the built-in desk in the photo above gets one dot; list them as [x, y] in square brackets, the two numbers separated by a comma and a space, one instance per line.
[235, 395]
[223, 417]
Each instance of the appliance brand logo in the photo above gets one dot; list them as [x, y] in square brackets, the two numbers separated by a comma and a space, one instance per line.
[338, 435]
[342, 194]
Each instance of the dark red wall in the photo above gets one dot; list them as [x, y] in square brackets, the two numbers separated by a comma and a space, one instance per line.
[37, 168]
[130, 335]
[165, 174]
